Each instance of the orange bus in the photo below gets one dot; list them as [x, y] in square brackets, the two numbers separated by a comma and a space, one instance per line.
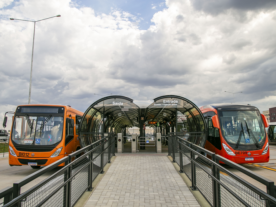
[237, 132]
[42, 134]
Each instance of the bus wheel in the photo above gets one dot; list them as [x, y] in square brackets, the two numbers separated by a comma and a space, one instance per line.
[35, 167]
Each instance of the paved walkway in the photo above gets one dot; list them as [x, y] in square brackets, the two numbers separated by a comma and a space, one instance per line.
[142, 180]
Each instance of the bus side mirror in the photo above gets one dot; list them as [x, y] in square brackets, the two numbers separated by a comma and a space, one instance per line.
[215, 121]
[5, 121]
[265, 121]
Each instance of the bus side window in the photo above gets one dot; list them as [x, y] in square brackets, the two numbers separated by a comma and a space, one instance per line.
[216, 132]
[210, 127]
[69, 130]
[78, 121]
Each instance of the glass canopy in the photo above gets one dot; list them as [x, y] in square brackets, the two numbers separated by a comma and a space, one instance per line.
[115, 113]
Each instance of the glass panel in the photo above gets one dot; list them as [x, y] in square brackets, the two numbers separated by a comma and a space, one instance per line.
[272, 133]
[37, 130]
[247, 125]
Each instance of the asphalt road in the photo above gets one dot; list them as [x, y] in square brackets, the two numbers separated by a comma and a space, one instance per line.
[266, 170]
[10, 175]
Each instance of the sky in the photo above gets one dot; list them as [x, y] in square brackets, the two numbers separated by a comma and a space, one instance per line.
[140, 49]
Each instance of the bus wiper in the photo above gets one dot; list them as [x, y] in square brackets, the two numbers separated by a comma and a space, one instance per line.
[239, 140]
[254, 138]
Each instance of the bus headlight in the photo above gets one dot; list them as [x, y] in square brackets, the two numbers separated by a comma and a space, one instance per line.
[229, 152]
[57, 152]
[265, 150]
[12, 152]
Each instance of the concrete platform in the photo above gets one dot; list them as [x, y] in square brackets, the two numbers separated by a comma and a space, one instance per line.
[141, 180]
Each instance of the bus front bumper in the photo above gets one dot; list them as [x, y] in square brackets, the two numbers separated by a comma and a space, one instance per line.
[18, 161]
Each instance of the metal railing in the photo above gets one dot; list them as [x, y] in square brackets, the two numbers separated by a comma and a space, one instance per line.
[67, 185]
[219, 186]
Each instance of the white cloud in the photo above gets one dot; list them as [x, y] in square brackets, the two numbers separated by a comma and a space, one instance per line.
[4, 3]
[186, 52]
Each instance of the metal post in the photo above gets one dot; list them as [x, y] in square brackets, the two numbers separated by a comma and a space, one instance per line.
[217, 175]
[109, 148]
[173, 147]
[102, 143]
[30, 86]
[169, 145]
[16, 193]
[102, 156]
[214, 183]
[271, 191]
[193, 170]
[65, 191]
[69, 185]
[180, 156]
[114, 143]
[90, 171]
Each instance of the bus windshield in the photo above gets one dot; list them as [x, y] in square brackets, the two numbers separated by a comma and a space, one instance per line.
[242, 127]
[37, 130]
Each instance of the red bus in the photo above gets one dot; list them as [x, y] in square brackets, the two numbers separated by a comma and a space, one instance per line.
[42, 134]
[237, 132]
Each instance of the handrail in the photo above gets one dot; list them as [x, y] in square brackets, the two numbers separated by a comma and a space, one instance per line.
[244, 182]
[85, 154]
[195, 150]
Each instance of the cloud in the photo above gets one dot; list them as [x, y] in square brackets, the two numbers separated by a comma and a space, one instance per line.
[5, 3]
[84, 55]
[215, 7]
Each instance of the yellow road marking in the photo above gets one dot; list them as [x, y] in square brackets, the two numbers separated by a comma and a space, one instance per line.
[223, 173]
[259, 166]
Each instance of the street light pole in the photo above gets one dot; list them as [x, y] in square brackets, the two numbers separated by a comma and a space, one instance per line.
[30, 86]
[232, 93]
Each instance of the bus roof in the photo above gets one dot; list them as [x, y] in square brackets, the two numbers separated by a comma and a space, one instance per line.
[67, 107]
[229, 107]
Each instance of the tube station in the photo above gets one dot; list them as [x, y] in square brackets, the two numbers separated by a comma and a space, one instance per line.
[119, 116]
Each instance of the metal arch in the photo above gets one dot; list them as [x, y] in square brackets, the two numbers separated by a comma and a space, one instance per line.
[188, 101]
[103, 99]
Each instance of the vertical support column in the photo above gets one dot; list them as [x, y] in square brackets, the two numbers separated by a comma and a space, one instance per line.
[175, 121]
[119, 142]
[271, 191]
[214, 183]
[16, 193]
[217, 193]
[158, 143]
[109, 148]
[102, 156]
[180, 156]
[102, 142]
[90, 170]
[69, 185]
[169, 144]
[193, 170]
[65, 191]
[173, 147]
[133, 143]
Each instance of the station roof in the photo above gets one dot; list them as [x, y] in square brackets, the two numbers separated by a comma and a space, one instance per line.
[120, 112]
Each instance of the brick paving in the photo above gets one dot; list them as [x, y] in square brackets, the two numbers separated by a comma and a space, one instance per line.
[141, 180]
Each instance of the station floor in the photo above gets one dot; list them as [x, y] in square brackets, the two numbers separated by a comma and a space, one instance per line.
[141, 180]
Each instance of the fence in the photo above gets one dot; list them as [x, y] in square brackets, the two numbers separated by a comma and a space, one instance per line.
[219, 186]
[4, 146]
[66, 186]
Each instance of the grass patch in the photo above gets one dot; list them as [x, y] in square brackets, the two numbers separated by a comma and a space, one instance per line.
[4, 147]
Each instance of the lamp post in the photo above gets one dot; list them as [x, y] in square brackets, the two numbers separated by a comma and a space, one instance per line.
[232, 93]
[30, 87]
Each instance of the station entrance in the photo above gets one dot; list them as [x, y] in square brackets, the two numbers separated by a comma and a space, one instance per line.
[139, 130]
